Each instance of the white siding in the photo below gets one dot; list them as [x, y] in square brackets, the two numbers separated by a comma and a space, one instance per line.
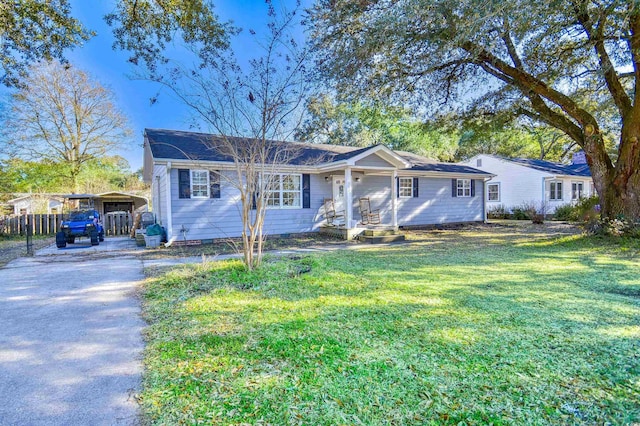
[221, 218]
[373, 160]
[520, 184]
[435, 203]
[159, 200]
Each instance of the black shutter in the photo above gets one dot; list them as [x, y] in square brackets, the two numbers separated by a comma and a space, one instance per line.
[306, 191]
[214, 184]
[254, 201]
[473, 188]
[415, 187]
[398, 187]
[184, 183]
[454, 187]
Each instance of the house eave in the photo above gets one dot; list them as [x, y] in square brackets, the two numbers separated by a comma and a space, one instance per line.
[436, 174]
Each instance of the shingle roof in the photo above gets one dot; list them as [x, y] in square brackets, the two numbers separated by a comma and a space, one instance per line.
[181, 145]
[420, 163]
[554, 168]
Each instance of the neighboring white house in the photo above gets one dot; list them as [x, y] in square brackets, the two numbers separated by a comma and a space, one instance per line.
[521, 180]
[190, 194]
[36, 203]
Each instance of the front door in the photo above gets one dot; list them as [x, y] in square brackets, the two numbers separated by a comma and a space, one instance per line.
[338, 193]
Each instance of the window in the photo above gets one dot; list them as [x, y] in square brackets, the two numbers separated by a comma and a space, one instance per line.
[479, 162]
[555, 190]
[405, 187]
[199, 184]
[493, 192]
[285, 191]
[577, 190]
[463, 187]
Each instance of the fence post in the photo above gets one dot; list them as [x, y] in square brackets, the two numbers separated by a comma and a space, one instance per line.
[29, 235]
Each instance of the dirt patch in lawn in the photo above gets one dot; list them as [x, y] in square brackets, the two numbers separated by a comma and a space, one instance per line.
[234, 245]
[13, 248]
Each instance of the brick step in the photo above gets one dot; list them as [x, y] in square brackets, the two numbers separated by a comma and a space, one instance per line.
[381, 238]
[380, 232]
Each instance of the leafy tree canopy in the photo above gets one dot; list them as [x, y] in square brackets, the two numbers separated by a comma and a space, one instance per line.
[146, 28]
[359, 124]
[32, 30]
[111, 173]
[571, 65]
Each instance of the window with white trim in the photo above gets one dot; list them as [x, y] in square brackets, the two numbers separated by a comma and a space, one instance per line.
[463, 187]
[285, 191]
[493, 192]
[199, 184]
[577, 190]
[555, 190]
[405, 187]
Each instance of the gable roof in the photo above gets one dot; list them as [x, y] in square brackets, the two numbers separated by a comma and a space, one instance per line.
[420, 163]
[181, 145]
[551, 167]
[554, 168]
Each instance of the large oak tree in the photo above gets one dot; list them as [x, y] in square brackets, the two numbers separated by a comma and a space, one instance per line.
[572, 65]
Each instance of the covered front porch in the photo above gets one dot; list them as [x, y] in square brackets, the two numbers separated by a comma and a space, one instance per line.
[370, 178]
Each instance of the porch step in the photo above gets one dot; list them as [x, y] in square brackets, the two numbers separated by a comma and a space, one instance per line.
[377, 236]
[378, 239]
[380, 232]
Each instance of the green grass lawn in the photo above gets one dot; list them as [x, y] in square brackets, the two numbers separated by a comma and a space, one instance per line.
[489, 325]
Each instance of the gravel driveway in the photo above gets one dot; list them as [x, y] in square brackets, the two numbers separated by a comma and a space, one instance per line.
[70, 340]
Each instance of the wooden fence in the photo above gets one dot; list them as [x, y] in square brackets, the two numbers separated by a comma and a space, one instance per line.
[49, 224]
[117, 223]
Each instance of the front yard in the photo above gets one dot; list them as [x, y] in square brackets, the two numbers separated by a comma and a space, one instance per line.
[502, 325]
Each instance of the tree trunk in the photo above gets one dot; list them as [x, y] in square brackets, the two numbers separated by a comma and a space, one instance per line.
[619, 186]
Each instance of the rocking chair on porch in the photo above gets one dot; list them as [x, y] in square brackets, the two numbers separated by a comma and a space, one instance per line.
[330, 213]
[369, 217]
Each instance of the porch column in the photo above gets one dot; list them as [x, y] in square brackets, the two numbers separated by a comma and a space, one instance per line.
[394, 199]
[348, 197]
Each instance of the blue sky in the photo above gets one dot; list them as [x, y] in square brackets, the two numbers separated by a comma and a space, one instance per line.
[111, 69]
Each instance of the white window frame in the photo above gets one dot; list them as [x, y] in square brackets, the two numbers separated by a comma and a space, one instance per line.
[463, 191]
[280, 192]
[489, 192]
[554, 193]
[192, 184]
[403, 189]
[581, 193]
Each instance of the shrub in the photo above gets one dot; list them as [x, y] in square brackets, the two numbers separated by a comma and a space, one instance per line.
[618, 227]
[520, 213]
[498, 212]
[530, 211]
[566, 212]
[587, 209]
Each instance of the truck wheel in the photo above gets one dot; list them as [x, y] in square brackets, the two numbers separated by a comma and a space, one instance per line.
[94, 238]
[61, 240]
[101, 236]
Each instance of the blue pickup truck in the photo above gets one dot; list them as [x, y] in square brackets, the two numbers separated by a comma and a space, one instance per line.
[80, 223]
